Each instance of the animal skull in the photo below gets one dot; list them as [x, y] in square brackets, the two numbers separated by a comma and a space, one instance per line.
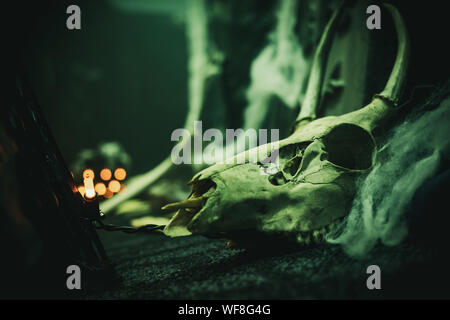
[318, 165]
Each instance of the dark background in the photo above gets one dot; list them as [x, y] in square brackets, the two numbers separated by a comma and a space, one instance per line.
[123, 77]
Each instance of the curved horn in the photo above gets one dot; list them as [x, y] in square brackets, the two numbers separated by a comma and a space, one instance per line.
[316, 77]
[397, 80]
[381, 108]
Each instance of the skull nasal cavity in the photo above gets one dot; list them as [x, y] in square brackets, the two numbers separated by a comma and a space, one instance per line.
[202, 186]
[350, 146]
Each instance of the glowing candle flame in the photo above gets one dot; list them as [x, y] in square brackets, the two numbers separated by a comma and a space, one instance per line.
[114, 186]
[108, 194]
[81, 190]
[105, 174]
[120, 174]
[89, 186]
[88, 173]
[100, 188]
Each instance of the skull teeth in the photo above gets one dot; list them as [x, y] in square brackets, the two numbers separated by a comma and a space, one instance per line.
[315, 236]
[304, 239]
[308, 240]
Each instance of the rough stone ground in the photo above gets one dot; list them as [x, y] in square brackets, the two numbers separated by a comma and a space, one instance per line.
[152, 266]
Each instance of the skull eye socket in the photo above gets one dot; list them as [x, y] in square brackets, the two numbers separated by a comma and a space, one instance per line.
[349, 146]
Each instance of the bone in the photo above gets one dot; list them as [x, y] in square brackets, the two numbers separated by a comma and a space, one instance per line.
[315, 82]
[188, 203]
[397, 80]
[328, 187]
[382, 107]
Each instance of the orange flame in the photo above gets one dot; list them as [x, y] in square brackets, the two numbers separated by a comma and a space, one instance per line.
[120, 174]
[105, 174]
[100, 188]
[108, 194]
[89, 186]
[114, 186]
[88, 173]
[82, 190]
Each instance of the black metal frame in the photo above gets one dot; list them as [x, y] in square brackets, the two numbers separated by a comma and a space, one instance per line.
[48, 194]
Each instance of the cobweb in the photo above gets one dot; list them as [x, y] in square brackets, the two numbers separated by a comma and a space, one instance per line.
[411, 155]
